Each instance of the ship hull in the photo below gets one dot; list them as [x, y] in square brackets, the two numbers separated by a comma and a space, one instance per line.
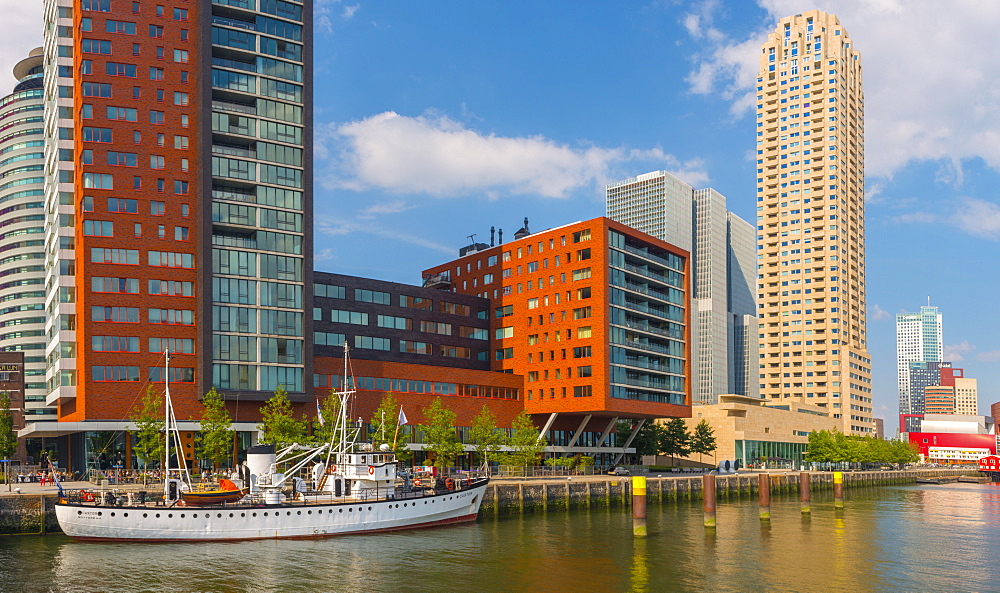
[251, 522]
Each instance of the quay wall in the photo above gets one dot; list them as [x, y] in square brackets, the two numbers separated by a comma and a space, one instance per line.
[505, 497]
[34, 514]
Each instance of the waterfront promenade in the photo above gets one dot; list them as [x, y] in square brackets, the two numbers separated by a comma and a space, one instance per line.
[22, 512]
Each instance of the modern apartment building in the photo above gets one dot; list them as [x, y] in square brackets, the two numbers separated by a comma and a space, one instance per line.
[414, 342]
[724, 308]
[595, 315]
[177, 198]
[810, 223]
[22, 266]
[918, 339]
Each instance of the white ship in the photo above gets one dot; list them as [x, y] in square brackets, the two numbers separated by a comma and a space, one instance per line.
[347, 488]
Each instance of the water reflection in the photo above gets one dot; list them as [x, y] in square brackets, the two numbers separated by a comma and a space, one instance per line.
[933, 538]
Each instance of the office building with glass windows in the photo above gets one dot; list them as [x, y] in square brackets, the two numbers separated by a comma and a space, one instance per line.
[722, 245]
[177, 197]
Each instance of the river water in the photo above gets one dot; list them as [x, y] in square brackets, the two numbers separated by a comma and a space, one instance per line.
[922, 538]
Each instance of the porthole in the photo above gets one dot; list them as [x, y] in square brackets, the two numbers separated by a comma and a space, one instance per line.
[79, 512]
[369, 508]
[145, 515]
[112, 514]
[231, 515]
[100, 514]
[182, 515]
[350, 510]
[425, 502]
[289, 513]
[219, 515]
[255, 514]
[309, 512]
[265, 514]
[341, 510]
[298, 512]
[124, 514]
[243, 514]
[157, 515]
[404, 504]
[195, 515]
[170, 516]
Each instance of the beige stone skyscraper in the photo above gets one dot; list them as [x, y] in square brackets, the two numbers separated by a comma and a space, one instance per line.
[810, 220]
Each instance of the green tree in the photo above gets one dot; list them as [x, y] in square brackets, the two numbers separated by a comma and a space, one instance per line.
[441, 436]
[8, 438]
[384, 421]
[215, 439]
[646, 442]
[385, 428]
[902, 452]
[822, 447]
[329, 408]
[525, 445]
[675, 440]
[485, 436]
[278, 425]
[150, 438]
[702, 439]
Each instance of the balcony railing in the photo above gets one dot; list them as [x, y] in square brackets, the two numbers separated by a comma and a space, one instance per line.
[234, 151]
[221, 20]
[224, 106]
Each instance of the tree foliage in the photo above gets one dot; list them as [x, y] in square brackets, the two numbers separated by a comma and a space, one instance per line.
[485, 436]
[702, 440]
[525, 445]
[441, 436]
[646, 442]
[836, 447]
[385, 428]
[150, 441]
[279, 425]
[675, 440]
[215, 440]
[8, 438]
[329, 408]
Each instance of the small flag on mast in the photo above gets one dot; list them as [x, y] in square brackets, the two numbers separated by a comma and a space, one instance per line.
[402, 416]
[319, 413]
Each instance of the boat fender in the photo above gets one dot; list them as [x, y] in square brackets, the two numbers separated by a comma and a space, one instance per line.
[449, 484]
[371, 470]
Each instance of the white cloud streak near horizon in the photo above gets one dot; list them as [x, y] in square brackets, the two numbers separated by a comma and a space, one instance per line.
[932, 80]
[437, 156]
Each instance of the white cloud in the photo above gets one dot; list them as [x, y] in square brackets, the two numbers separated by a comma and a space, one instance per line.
[876, 313]
[438, 156]
[334, 227]
[978, 217]
[385, 208]
[349, 11]
[955, 352]
[22, 32]
[932, 80]
[992, 356]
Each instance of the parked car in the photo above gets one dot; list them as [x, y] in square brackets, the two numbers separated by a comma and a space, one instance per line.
[619, 471]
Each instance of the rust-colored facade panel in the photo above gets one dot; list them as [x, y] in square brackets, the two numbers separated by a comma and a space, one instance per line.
[135, 83]
[551, 321]
[466, 407]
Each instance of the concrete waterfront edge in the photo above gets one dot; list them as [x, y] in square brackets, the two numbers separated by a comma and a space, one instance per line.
[22, 513]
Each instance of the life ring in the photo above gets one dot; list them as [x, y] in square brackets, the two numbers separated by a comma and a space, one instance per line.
[87, 496]
[449, 484]
[333, 468]
[371, 470]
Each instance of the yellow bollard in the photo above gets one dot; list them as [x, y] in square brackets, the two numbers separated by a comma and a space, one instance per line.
[639, 506]
[838, 490]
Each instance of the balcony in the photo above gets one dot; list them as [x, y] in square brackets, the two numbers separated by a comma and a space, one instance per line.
[442, 280]
[226, 106]
[234, 151]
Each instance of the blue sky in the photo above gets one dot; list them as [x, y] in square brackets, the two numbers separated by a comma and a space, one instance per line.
[436, 120]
